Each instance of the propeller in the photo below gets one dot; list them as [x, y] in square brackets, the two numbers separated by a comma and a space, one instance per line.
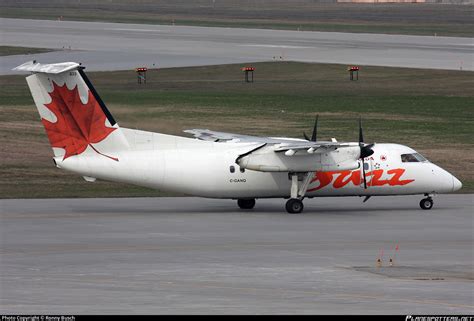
[365, 150]
[315, 131]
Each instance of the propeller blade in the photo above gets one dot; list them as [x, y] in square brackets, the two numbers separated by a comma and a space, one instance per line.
[315, 130]
[305, 136]
[365, 151]
[361, 135]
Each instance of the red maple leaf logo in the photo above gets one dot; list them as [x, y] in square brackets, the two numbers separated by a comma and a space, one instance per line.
[78, 125]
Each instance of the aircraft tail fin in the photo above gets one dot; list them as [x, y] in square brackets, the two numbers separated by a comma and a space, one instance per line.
[74, 116]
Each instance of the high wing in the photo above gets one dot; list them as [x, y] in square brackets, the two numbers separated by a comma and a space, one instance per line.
[280, 144]
[210, 135]
[282, 154]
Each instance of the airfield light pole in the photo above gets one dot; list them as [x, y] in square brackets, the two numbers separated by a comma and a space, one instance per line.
[141, 74]
[353, 71]
[248, 71]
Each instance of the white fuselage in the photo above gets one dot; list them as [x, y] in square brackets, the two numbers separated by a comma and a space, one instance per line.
[203, 168]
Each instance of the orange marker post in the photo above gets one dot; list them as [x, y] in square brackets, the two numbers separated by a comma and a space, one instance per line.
[141, 74]
[248, 72]
[353, 72]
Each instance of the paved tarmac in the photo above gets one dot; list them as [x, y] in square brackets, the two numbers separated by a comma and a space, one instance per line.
[193, 255]
[120, 46]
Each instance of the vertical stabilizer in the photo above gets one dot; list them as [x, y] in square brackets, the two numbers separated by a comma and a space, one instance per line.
[74, 116]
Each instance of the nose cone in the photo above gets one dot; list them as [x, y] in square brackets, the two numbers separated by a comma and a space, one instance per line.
[457, 185]
[444, 181]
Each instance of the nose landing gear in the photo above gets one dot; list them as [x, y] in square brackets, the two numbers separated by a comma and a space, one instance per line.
[426, 203]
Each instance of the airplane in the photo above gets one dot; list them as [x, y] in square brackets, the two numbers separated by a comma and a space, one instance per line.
[87, 140]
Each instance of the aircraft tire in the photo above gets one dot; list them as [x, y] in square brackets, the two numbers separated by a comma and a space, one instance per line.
[246, 204]
[294, 206]
[426, 203]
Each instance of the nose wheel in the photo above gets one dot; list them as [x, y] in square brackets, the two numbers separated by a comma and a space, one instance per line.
[426, 203]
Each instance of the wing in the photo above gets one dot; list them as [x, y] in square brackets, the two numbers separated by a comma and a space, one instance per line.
[281, 144]
[210, 135]
[281, 154]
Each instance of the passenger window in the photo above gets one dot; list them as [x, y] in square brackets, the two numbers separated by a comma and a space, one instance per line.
[232, 169]
[366, 167]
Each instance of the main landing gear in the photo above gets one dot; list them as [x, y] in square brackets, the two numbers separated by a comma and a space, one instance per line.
[294, 206]
[299, 186]
[426, 203]
[246, 204]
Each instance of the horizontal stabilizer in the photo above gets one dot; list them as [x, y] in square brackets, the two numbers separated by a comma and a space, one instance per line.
[57, 68]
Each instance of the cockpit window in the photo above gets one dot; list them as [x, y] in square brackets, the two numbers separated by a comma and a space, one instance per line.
[412, 158]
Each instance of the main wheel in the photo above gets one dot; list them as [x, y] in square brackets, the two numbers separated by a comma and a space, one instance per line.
[246, 204]
[426, 203]
[294, 206]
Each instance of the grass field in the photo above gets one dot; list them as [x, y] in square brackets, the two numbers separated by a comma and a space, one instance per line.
[429, 110]
[405, 18]
[10, 51]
